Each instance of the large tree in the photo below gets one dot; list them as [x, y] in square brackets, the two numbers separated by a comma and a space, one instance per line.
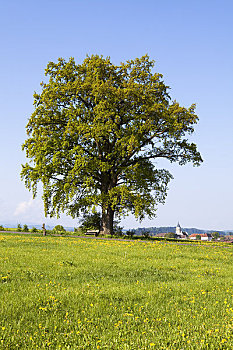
[95, 136]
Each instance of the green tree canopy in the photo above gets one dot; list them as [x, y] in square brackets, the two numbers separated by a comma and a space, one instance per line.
[170, 235]
[25, 228]
[95, 134]
[90, 221]
[59, 228]
[215, 235]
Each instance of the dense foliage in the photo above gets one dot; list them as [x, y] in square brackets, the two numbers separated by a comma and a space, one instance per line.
[59, 228]
[170, 235]
[90, 221]
[25, 228]
[95, 133]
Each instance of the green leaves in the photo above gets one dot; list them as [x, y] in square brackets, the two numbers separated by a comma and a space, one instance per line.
[97, 129]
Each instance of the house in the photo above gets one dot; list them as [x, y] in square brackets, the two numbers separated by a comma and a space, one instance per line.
[204, 236]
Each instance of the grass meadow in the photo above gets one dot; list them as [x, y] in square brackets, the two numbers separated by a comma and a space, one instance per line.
[73, 293]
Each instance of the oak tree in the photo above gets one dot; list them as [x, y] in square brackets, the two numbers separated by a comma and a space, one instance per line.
[95, 136]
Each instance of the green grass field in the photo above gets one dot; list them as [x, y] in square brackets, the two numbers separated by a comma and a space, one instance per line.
[72, 293]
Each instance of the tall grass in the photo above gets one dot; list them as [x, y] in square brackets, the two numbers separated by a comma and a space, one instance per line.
[71, 293]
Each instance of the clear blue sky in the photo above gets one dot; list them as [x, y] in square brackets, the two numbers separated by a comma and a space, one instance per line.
[192, 44]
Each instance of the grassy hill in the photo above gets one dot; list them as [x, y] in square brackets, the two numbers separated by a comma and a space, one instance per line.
[70, 293]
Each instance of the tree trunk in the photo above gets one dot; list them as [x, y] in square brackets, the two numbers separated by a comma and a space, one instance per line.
[109, 181]
[107, 221]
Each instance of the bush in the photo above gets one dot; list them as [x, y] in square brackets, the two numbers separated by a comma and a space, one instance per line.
[59, 228]
[170, 235]
[19, 228]
[25, 228]
[34, 229]
[77, 230]
[198, 237]
[146, 234]
[118, 231]
[130, 233]
[1, 228]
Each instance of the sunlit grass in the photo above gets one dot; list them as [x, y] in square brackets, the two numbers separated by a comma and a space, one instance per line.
[70, 293]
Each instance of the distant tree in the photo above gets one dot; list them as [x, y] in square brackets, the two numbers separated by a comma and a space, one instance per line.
[117, 230]
[1, 228]
[95, 136]
[215, 235]
[25, 228]
[198, 237]
[130, 233]
[170, 235]
[34, 230]
[59, 228]
[19, 228]
[146, 234]
[90, 221]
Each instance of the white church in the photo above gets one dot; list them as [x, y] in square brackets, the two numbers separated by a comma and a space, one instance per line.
[179, 233]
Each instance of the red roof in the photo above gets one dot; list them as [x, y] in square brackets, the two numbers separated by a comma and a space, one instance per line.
[199, 234]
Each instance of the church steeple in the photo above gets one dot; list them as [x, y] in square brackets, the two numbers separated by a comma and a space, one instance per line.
[178, 230]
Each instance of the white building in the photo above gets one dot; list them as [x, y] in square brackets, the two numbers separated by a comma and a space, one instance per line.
[203, 236]
[179, 233]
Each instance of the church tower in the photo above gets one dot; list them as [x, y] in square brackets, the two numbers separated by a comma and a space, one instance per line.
[178, 230]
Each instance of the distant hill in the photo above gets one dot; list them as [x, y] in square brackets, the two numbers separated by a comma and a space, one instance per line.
[155, 230]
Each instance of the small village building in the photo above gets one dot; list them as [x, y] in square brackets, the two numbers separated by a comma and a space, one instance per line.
[181, 234]
[204, 236]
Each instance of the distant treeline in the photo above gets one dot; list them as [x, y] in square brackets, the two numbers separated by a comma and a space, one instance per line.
[156, 230]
